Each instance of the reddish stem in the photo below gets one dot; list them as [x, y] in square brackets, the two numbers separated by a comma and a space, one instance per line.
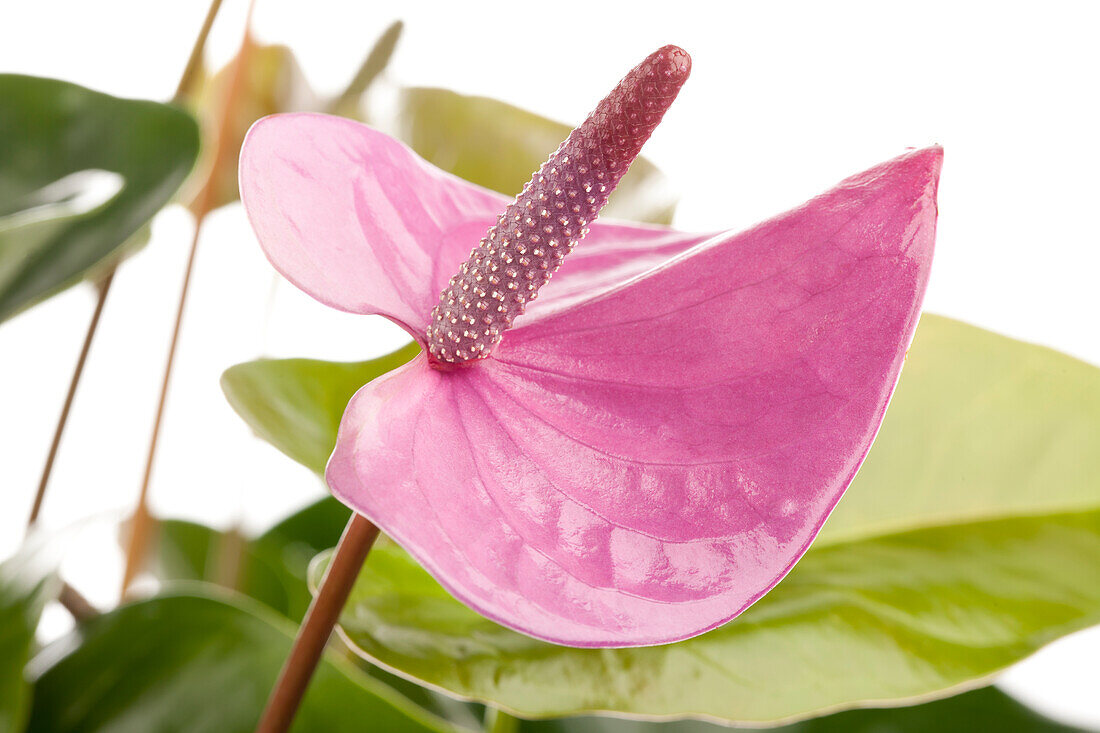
[103, 287]
[316, 628]
[142, 526]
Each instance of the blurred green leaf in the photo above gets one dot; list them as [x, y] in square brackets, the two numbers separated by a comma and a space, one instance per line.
[199, 663]
[296, 404]
[881, 620]
[270, 568]
[80, 173]
[27, 582]
[271, 81]
[987, 709]
[348, 103]
[499, 146]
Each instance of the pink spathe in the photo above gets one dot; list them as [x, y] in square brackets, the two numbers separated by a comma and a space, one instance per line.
[658, 439]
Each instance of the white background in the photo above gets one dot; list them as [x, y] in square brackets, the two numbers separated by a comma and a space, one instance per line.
[785, 99]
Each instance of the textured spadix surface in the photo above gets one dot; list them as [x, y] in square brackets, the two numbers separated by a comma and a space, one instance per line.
[659, 438]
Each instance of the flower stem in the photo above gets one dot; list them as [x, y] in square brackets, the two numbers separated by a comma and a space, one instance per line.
[103, 286]
[194, 61]
[313, 634]
[79, 607]
[373, 65]
[142, 526]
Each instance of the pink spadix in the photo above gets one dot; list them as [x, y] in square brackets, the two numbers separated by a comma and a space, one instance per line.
[660, 436]
[552, 213]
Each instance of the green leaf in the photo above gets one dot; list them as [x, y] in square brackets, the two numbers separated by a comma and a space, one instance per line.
[499, 146]
[199, 663]
[80, 173]
[981, 427]
[271, 81]
[987, 709]
[349, 102]
[971, 539]
[968, 540]
[885, 620]
[271, 568]
[296, 404]
[27, 582]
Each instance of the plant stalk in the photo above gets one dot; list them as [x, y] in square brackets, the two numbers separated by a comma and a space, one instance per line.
[103, 287]
[79, 607]
[373, 65]
[142, 526]
[316, 628]
[194, 61]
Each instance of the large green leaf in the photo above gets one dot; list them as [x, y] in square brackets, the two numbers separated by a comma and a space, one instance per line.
[941, 566]
[80, 173]
[499, 146]
[987, 558]
[981, 427]
[883, 620]
[296, 404]
[199, 663]
[27, 582]
[987, 709]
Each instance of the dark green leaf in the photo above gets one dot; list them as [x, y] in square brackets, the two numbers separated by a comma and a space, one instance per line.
[296, 404]
[271, 568]
[27, 582]
[198, 663]
[499, 146]
[80, 173]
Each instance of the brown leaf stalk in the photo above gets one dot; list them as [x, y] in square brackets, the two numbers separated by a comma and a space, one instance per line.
[316, 628]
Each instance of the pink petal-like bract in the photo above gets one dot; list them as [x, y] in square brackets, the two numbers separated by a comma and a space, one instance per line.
[658, 439]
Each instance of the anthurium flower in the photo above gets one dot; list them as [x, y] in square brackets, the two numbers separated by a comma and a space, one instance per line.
[646, 449]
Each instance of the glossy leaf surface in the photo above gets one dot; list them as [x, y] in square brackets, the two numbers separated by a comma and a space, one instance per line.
[80, 173]
[199, 663]
[496, 145]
